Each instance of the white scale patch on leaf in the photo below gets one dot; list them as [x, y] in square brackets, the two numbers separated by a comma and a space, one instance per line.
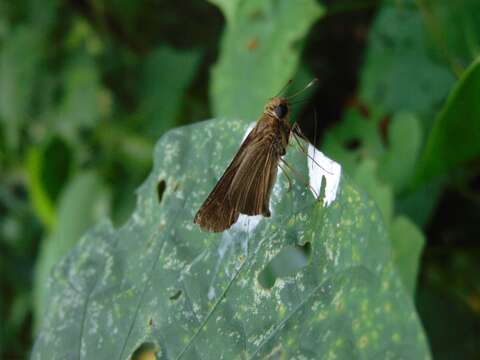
[247, 223]
[319, 167]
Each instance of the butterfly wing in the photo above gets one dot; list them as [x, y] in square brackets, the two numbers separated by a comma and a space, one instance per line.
[216, 213]
[253, 182]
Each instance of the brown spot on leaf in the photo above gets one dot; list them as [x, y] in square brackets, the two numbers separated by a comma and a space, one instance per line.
[252, 44]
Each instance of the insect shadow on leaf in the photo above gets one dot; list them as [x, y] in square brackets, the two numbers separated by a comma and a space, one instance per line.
[287, 262]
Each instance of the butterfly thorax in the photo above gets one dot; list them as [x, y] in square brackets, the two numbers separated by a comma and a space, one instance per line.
[276, 122]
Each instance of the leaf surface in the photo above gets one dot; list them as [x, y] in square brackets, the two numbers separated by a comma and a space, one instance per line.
[160, 281]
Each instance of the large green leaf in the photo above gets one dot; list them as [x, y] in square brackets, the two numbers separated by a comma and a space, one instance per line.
[260, 52]
[454, 139]
[160, 282]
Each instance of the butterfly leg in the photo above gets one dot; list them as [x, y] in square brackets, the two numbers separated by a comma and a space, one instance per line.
[297, 133]
[300, 177]
[288, 177]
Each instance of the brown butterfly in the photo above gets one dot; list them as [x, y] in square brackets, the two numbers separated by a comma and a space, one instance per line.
[246, 184]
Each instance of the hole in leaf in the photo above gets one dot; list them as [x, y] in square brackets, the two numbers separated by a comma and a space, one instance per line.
[146, 351]
[352, 144]
[161, 186]
[288, 262]
[176, 295]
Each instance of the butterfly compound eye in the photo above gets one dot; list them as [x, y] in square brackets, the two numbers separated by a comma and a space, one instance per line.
[281, 111]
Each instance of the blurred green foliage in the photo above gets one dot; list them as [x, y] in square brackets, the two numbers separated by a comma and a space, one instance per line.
[87, 87]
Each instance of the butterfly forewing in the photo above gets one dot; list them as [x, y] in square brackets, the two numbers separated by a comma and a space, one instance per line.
[253, 182]
[246, 185]
[216, 214]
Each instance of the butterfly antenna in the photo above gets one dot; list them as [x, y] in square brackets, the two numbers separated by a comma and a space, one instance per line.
[285, 87]
[315, 123]
[315, 141]
[299, 101]
[311, 83]
[297, 133]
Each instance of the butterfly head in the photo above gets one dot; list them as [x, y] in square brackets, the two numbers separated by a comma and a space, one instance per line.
[278, 107]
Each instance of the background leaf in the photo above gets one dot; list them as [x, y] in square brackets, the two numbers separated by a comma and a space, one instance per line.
[261, 45]
[407, 242]
[167, 75]
[457, 127]
[83, 202]
[79, 108]
[49, 167]
[453, 29]
[400, 73]
[20, 56]
[404, 144]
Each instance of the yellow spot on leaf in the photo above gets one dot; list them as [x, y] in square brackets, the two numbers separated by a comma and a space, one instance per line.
[364, 306]
[363, 342]
[396, 338]
[387, 307]
[385, 285]
[322, 315]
